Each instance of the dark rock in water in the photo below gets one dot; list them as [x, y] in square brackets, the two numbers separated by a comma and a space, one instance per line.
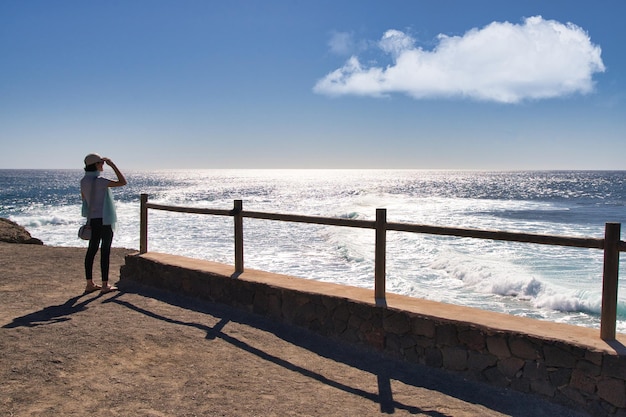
[12, 232]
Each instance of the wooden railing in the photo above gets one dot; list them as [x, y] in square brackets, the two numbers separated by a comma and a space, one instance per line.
[611, 244]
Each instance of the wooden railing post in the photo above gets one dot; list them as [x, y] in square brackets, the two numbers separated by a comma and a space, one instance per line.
[610, 281]
[143, 224]
[380, 254]
[238, 220]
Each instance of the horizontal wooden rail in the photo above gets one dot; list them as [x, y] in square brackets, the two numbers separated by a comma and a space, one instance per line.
[611, 244]
[192, 210]
[295, 218]
[578, 242]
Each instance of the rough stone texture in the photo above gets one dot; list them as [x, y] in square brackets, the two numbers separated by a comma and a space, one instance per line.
[510, 367]
[12, 232]
[524, 348]
[480, 361]
[534, 370]
[498, 346]
[423, 327]
[558, 357]
[582, 382]
[614, 366]
[454, 358]
[613, 391]
[562, 371]
[472, 339]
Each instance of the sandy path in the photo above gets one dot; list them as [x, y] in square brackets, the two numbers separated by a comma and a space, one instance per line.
[141, 352]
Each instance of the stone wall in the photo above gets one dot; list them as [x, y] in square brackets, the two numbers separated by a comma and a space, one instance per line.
[566, 364]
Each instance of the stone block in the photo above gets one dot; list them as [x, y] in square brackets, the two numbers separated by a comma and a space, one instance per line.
[589, 368]
[243, 295]
[331, 303]
[197, 287]
[612, 391]
[524, 348]
[560, 377]
[582, 381]
[397, 323]
[305, 314]
[454, 358]
[614, 366]
[364, 312]
[407, 341]
[301, 298]
[424, 327]
[472, 338]
[187, 285]
[392, 343]
[261, 303]
[288, 307]
[495, 377]
[594, 357]
[274, 305]
[474, 375]
[543, 388]
[421, 353]
[411, 355]
[573, 395]
[355, 321]
[433, 357]
[601, 408]
[446, 335]
[480, 361]
[375, 338]
[350, 336]
[338, 326]
[522, 385]
[534, 370]
[341, 313]
[555, 356]
[424, 342]
[510, 366]
[497, 345]
[367, 326]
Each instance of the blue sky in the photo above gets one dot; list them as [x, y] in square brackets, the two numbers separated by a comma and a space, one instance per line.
[156, 84]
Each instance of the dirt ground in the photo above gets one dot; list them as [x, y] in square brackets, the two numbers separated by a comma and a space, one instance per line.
[143, 352]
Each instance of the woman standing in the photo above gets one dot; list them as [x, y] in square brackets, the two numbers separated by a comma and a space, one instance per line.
[99, 208]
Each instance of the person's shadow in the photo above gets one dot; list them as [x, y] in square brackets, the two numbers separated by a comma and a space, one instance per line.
[51, 314]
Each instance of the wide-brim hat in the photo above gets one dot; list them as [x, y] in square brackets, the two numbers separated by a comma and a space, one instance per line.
[92, 158]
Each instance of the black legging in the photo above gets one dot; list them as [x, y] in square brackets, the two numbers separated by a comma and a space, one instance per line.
[104, 233]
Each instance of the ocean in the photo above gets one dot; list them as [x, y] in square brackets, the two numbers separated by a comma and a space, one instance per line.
[543, 282]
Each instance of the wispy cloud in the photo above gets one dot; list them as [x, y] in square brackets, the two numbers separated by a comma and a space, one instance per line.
[501, 62]
[341, 43]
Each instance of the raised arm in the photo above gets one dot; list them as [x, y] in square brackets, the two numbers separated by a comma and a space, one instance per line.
[121, 180]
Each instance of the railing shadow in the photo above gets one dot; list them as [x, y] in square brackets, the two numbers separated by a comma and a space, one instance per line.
[385, 369]
[387, 404]
[617, 346]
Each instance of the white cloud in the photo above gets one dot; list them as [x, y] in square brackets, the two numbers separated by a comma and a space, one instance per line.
[501, 62]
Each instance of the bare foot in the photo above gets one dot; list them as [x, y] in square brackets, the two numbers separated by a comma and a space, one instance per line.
[108, 288]
[91, 287]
